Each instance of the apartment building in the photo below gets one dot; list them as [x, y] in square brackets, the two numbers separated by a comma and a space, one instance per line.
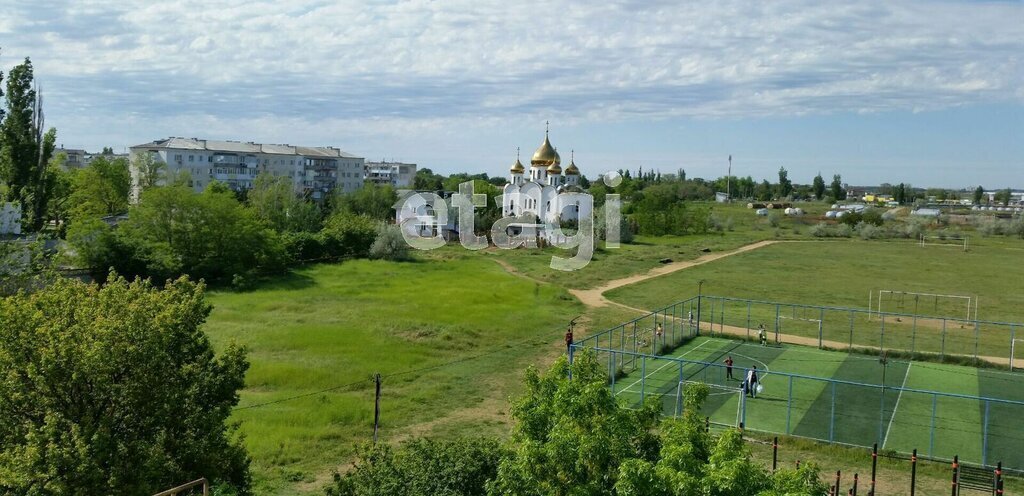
[396, 174]
[315, 171]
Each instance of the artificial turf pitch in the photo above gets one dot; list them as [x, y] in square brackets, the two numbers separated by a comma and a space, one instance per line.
[895, 417]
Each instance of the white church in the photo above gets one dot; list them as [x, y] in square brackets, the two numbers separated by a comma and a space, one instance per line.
[538, 193]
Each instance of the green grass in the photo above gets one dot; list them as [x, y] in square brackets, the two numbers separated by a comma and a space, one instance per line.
[843, 274]
[330, 325]
[646, 252]
[845, 412]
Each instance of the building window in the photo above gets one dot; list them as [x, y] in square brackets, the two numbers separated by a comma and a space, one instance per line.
[191, 158]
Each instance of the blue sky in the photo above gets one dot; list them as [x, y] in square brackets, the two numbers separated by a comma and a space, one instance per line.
[930, 93]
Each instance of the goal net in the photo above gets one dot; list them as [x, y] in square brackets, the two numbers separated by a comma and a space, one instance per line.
[724, 405]
[948, 306]
[957, 241]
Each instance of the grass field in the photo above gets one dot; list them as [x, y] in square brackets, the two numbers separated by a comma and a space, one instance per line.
[854, 412]
[330, 325]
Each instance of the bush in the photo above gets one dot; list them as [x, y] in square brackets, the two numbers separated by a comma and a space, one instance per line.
[870, 231]
[348, 235]
[774, 219]
[460, 467]
[844, 231]
[303, 246]
[390, 244]
[819, 230]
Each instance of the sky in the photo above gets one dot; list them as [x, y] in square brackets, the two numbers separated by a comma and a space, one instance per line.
[928, 93]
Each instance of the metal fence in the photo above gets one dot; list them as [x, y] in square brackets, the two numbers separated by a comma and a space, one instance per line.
[941, 425]
[816, 325]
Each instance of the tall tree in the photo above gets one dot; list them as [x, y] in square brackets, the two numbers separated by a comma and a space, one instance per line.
[837, 188]
[785, 185]
[273, 199]
[978, 194]
[102, 188]
[26, 148]
[818, 187]
[115, 390]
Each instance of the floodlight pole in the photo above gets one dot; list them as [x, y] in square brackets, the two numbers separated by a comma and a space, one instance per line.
[728, 183]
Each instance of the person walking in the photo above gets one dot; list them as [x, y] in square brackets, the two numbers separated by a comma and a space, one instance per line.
[751, 382]
[728, 368]
[568, 340]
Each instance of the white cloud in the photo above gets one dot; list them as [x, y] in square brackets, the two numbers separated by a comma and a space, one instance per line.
[313, 64]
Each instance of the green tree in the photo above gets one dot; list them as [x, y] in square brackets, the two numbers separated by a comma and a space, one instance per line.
[390, 244]
[107, 151]
[838, 193]
[979, 193]
[785, 185]
[148, 170]
[818, 187]
[1003, 196]
[376, 202]
[26, 149]
[102, 188]
[348, 235]
[421, 467]
[571, 436]
[115, 390]
[273, 199]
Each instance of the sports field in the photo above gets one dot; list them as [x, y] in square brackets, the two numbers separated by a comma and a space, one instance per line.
[839, 397]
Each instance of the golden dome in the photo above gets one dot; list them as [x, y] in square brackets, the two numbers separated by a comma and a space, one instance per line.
[545, 155]
[572, 170]
[517, 168]
[554, 168]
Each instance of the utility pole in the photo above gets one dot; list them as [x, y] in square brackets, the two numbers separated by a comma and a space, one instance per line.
[728, 182]
[376, 407]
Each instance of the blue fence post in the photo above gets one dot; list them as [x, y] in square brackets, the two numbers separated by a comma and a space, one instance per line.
[977, 335]
[643, 378]
[776, 319]
[614, 371]
[984, 437]
[1013, 337]
[942, 352]
[748, 319]
[789, 404]
[881, 342]
[851, 330]
[931, 430]
[913, 335]
[721, 319]
[832, 416]
[572, 347]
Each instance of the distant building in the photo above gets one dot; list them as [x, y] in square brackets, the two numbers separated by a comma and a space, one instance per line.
[314, 171]
[396, 174]
[538, 193]
[74, 158]
[10, 218]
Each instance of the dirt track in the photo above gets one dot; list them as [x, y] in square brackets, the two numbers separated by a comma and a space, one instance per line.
[595, 297]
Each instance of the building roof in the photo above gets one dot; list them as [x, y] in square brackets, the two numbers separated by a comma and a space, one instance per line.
[175, 143]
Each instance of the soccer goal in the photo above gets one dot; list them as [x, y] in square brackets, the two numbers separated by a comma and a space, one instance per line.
[1016, 347]
[955, 242]
[951, 306]
[719, 395]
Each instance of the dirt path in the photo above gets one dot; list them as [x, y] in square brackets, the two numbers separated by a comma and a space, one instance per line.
[595, 297]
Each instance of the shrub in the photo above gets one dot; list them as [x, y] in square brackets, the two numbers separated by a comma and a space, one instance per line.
[869, 231]
[774, 219]
[348, 235]
[819, 230]
[390, 244]
[844, 231]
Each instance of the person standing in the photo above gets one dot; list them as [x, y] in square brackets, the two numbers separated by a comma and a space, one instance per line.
[762, 334]
[751, 382]
[728, 368]
[568, 340]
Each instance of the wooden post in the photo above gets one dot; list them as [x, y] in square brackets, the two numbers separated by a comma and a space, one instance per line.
[376, 407]
[775, 453]
[838, 477]
[913, 472]
[999, 479]
[874, 466]
[956, 465]
[854, 490]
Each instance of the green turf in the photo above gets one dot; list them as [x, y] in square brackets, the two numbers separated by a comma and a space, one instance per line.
[846, 410]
